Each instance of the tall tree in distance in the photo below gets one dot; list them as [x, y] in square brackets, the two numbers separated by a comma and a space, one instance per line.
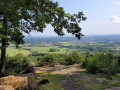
[18, 16]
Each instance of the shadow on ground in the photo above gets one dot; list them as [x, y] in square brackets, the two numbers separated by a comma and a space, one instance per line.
[69, 78]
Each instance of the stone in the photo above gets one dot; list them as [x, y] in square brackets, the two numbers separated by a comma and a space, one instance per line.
[6, 87]
[101, 80]
[17, 82]
[31, 80]
[24, 81]
[114, 88]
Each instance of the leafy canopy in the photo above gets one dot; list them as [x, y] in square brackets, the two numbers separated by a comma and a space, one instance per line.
[28, 15]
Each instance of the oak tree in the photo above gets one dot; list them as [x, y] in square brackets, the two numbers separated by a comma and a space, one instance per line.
[23, 16]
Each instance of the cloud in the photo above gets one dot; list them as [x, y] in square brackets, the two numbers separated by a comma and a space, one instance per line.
[114, 19]
[117, 2]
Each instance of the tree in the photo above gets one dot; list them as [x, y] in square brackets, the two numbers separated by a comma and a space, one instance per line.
[18, 16]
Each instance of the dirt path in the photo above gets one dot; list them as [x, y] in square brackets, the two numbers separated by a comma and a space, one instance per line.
[75, 79]
[70, 71]
[70, 83]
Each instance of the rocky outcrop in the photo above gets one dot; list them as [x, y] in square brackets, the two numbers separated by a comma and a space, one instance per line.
[31, 80]
[24, 81]
[114, 88]
[16, 82]
[6, 87]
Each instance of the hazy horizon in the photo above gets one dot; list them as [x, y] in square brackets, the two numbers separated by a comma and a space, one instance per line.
[74, 36]
[103, 16]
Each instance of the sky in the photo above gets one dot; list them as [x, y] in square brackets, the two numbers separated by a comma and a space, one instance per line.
[103, 16]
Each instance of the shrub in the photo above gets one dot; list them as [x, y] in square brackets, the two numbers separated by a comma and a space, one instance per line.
[32, 59]
[48, 60]
[15, 64]
[103, 63]
[73, 58]
[84, 59]
[52, 50]
[61, 59]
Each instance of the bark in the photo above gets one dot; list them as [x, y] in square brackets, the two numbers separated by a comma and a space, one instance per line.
[3, 54]
[3, 48]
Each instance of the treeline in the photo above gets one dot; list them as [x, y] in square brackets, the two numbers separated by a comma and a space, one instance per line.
[102, 63]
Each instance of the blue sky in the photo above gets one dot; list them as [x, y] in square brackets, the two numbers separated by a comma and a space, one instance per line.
[103, 16]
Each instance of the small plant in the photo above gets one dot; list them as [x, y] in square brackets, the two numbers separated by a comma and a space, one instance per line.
[15, 64]
[72, 58]
[48, 60]
[52, 50]
[103, 63]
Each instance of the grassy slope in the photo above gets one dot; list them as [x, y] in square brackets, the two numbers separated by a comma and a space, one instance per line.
[13, 51]
[72, 77]
[40, 48]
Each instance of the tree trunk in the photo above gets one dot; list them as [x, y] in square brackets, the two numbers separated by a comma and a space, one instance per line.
[3, 54]
[3, 48]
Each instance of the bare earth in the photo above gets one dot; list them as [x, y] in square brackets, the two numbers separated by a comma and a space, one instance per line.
[72, 73]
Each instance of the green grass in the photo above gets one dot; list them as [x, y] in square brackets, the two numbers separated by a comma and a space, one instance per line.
[55, 82]
[13, 51]
[93, 84]
[40, 48]
[44, 48]
[82, 79]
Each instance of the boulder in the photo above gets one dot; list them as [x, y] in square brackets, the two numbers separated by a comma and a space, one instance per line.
[29, 69]
[114, 88]
[31, 80]
[101, 80]
[24, 81]
[6, 87]
[17, 82]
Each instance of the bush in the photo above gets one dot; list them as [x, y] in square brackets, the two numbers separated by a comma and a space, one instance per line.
[61, 59]
[15, 64]
[84, 59]
[72, 58]
[54, 50]
[103, 63]
[32, 59]
[48, 60]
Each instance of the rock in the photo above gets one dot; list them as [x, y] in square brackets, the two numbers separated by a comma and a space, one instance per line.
[6, 87]
[114, 88]
[86, 77]
[17, 82]
[101, 80]
[29, 69]
[25, 81]
[31, 80]
[32, 65]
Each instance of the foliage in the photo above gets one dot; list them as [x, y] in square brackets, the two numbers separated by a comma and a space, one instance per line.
[103, 63]
[30, 59]
[18, 16]
[85, 59]
[25, 16]
[37, 54]
[53, 50]
[72, 58]
[15, 64]
[60, 58]
[48, 60]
